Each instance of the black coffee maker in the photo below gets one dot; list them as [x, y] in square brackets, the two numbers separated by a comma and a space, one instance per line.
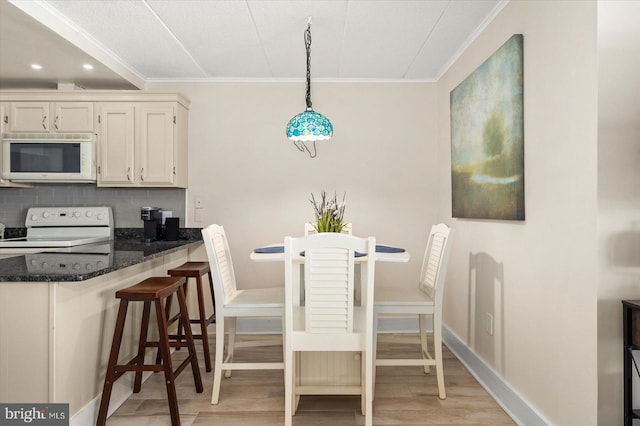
[152, 219]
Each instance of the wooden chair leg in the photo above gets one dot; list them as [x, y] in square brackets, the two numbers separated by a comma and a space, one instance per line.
[368, 390]
[203, 324]
[190, 342]
[213, 296]
[437, 346]
[142, 344]
[111, 366]
[181, 322]
[375, 352]
[217, 371]
[363, 384]
[167, 311]
[422, 322]
[231, 343]
[289, 388]
[163, 344]
[296, 379]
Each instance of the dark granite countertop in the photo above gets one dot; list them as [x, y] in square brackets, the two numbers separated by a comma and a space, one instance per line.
[90, 260]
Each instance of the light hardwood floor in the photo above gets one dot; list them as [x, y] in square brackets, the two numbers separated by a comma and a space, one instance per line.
[404, 396]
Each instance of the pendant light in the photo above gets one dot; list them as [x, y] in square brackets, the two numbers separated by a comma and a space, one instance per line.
[309, 126]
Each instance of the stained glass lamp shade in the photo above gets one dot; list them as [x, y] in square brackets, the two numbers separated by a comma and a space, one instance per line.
[309, 126]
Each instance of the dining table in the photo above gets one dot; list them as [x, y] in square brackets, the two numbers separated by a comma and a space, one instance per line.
[329, 373]
[275, 253]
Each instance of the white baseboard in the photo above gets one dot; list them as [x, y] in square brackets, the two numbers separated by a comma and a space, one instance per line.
[122, 390]
[508, 398]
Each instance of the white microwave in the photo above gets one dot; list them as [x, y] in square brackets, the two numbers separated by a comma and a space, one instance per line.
[60, 157]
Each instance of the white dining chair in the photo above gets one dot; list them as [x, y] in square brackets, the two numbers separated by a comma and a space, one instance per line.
[330, 320]
[232, 303]
[309, 229]
[423, 300]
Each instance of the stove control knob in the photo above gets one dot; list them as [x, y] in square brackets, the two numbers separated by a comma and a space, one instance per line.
[75, 214]
[100, 264]
[45, 215]
[100, 216]
[76, 266]
[34, 217]
[45, 265]
[33, 262]
[89, 213]
[89, 267]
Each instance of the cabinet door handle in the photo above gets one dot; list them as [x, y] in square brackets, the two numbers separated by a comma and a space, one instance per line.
[129, 174]
[174, 170]
[142, 174]
[6, 119]
[44, 125]
[55, 122]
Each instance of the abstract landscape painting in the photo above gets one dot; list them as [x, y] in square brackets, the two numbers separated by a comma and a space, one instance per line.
[487, 138]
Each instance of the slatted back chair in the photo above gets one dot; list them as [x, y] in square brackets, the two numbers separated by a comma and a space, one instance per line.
[330, 319]
[232, 303]
[425, 300]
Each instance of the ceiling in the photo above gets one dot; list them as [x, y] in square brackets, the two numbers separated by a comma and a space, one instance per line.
[132, 42]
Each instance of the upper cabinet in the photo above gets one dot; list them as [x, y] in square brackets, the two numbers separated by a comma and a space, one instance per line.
[4, 115]
[117, 149]
[142, 144]
[46, 117]
[4, 124]
[71, 117]
[141, 136]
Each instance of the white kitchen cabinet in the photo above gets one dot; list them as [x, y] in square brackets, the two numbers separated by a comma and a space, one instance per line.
[47, 117]
[116, 152]
[4, 125]
[155, 145]
[4, 117]
[72, 117]
[141, 136]
[31, 117]
[142, 144]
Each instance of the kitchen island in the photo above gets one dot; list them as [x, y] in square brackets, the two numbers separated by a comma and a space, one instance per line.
[56, 327]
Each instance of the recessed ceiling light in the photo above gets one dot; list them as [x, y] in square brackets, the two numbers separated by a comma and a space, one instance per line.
[87, 66]
[36, 66]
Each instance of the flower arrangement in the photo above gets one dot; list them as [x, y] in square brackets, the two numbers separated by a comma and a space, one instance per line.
[329, 213]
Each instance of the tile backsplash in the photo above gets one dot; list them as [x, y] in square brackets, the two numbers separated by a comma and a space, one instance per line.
[126, 202]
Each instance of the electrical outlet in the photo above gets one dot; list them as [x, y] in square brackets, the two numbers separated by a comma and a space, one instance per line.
[198, 203]
[488, 324]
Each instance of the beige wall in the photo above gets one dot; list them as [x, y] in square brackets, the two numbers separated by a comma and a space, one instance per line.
[618, 193]
[255, 183]
[391, 154]
[548, 298]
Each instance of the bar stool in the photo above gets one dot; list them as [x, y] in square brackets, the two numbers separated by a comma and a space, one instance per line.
[196, 270]
[156, 290]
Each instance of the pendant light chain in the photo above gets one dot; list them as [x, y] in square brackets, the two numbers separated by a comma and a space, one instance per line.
[308, 126]
[307, 43]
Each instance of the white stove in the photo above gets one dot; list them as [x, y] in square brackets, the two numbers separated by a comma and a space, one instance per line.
[49, 227]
